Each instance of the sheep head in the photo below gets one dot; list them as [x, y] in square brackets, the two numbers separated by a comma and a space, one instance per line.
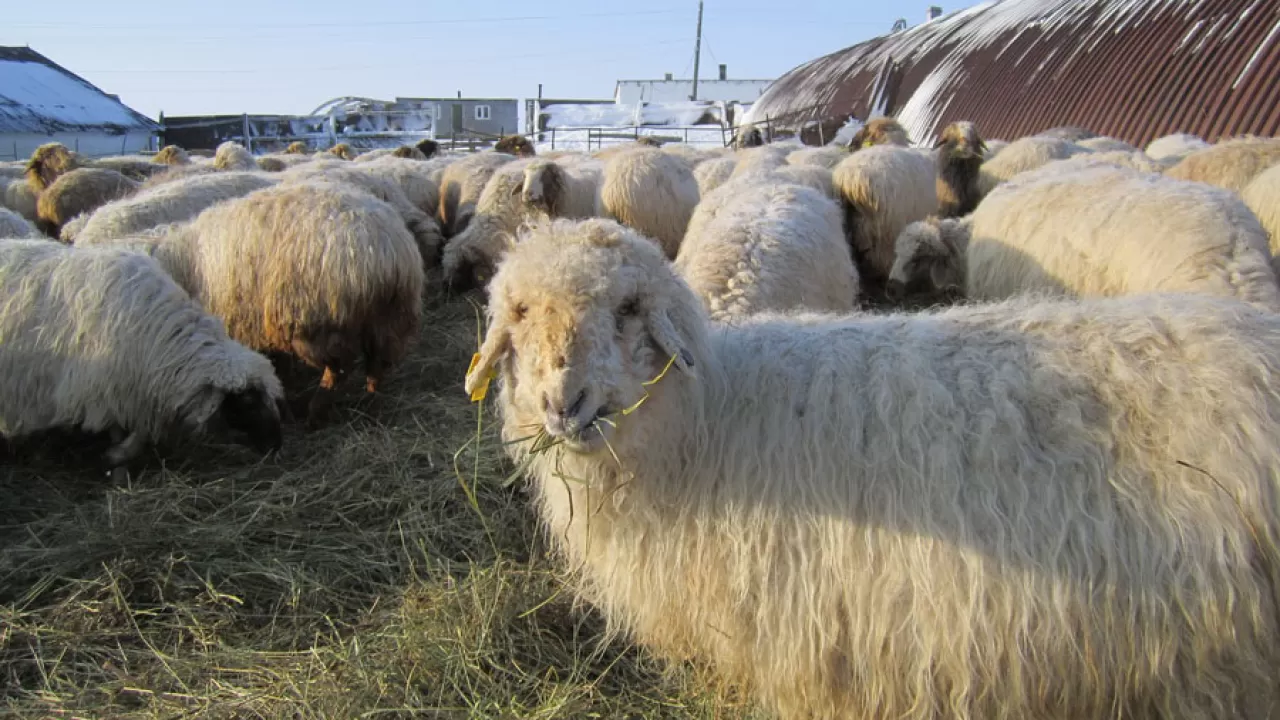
[343, 150]
[929, 260]
[881, 131]
[239, 392]
[584, 315]
[544, 187]
[171, 155]
[297, 147]
[429, 148]
[960, 140]
[517, 145]
[408, 152]
[49, 162]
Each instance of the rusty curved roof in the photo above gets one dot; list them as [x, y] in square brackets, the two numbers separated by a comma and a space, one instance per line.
[1131, 69]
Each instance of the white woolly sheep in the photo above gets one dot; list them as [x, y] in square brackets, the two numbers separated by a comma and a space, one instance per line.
[993, 148]
[134, 168]
[1231, 164]
[82, 190]
[884, 189]
[171, 155]
[1170, 149]
[1107, 230]
[460, 186]
[760, 159]
[1024, 510]
[1103, 143]
[690, 154]
[828, 156]
[103, 339]
[1135, 160]
[519, 192]
[810, 176]
[929, 262]
[713, 173]
[232, 155]
[959, 154]
[652, 192]
[1022, 155]
[413, 177]
[772, 246]
[13, 225]
[22, 199]
[320, 270]
[1262, 195]
[173, 202]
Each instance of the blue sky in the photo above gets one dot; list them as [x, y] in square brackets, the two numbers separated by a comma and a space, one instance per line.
[236, 56]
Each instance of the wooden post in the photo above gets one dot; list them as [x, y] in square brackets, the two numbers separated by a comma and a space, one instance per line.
[248, 142]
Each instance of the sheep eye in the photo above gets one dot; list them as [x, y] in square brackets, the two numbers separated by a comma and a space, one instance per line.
[630, 308]
[520, 311]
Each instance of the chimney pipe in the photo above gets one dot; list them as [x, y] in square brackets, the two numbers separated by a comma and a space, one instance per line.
[935, 12]
[724, 71]
[666, 76]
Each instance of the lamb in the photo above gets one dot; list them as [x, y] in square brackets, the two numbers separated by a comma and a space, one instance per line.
[1022, 155]
[652, 192]
[317, 270]
[960, 153]
[518, 193]
[929, 262]
[1108, 231]
[103, 339]
[171, 155]
[517, 145]
[426, 232]
[884, 189]
[1230, 164]
[1106, 144]
[343, 151]
[232, 155]
[1170, 149]
[80, 191]
[174, 202]
[461, 185]
[771, 247]
[828, 156]
[880, 131]
[1262, 195]
[1023, 510]
[13, 225]
[713, 173]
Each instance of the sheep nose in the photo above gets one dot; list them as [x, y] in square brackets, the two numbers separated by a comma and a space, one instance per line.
[562, 412]
[894, 290]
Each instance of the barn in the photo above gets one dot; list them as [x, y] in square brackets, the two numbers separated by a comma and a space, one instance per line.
[1131, 69]
[42, 102]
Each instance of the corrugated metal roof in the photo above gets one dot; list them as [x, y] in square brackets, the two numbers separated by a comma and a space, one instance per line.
[1131, 69]
[39, 96]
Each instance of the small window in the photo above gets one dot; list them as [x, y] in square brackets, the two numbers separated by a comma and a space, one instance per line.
[482, 112]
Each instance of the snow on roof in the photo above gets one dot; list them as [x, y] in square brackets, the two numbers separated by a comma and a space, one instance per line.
[38, 96]
[628, 115]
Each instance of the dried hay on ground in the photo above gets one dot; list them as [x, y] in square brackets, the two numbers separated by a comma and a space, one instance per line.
[364, 571]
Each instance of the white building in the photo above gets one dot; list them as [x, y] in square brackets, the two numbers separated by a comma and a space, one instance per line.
[42, 102]
[632, 92]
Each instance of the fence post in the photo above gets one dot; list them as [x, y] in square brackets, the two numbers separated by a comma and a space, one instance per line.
[248, 142]
[553, 138]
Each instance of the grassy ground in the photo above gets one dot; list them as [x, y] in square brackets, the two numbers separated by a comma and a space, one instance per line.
[382, 567]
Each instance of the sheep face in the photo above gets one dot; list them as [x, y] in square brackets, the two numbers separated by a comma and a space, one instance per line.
[253, 412]
[928, 261]
[517, 145]
[962, 141]
[583, 317]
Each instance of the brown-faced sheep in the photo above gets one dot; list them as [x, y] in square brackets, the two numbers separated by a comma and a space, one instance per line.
[880, 131]
[1231, 164]
[233, 156]
[171, 155]
[297, 147]
[318, 270]
[343, 151]
[408, 152]
[461, 185]
[50, 161]
[960, 153]
[80, 191]
[653, 192]
[517, 145]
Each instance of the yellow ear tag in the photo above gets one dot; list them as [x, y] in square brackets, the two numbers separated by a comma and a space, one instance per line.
[483, 389]
[866, 143]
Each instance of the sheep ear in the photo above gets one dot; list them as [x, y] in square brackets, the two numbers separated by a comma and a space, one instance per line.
[496, 346]
[941, 141]
[203, 405]
[664, 333]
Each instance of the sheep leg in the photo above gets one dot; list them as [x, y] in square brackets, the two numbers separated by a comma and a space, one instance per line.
[125, 448]
[323, 399]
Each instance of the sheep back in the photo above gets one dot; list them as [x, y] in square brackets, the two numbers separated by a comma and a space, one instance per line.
[1173, 148]
[1262, 195]
[461, 184]
[233, 156]
[1025, 154]
[80, 191]
[652, 192]
[713, 173]
[1230, 164]
[13, 225]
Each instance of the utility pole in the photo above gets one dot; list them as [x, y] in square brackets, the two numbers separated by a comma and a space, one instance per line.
[697, 53]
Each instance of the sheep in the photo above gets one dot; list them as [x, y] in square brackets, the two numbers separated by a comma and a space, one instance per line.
[317, 270]
[517, 145]
[135, 169]
[231, 155]
[343, 151]
[1262, 195]
[828, 156]
[759, 159]
[461, 185]
[884, 189]
[412, 176]
[425, 230]
[880, 131]
[1172, 148]
[171, 203]
[72, 228]
[171, 155]
[771, 247]
[182, 172]
[1107, 230]
[1024, 510]
[408, 152]
[1135, 160]
[103, 339]
[22, 199]
[1070, 133]
[13, 225]
[1106, 144]
[993, 148]
[271, 164]
[691, 155]
[519, 192]
[428, 147]
[1230, 164]
[929, 262]
[960, 153]
[713, 173]
[652, 192]
[297, 147]
[80, 191]
[48, 162]
[1022, 155]
[810, 176]
[747, 136]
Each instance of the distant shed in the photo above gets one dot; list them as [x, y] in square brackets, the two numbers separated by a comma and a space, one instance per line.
[42, 102]
[1131, 69]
